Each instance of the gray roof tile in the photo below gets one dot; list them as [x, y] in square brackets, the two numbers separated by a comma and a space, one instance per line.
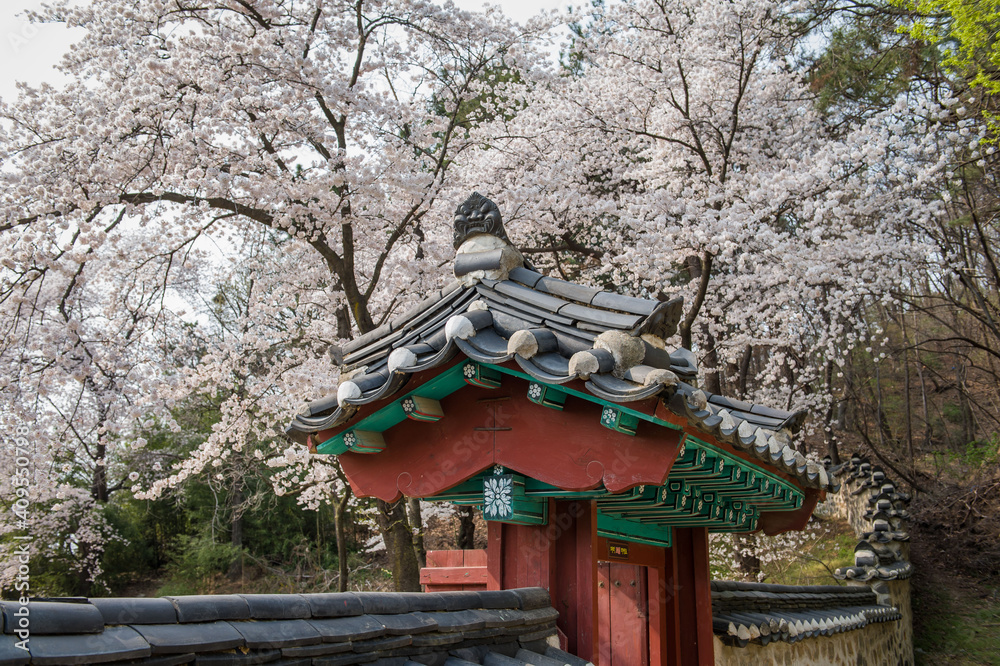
[563, 289]
[499, 599]
[10, 654]
[136, 610]
[468, 262]
[55, 617]
[277, 606]
[603, 318]
[631, 304]
[237, 658]
[406, 623]
[347, 628]
[526, 277]
[278, 633]
[113, 644]
[319, 650]
[175, 638]
[209, 607]
[435, 639]
[456, 621]
[383, 643]
[345, 659]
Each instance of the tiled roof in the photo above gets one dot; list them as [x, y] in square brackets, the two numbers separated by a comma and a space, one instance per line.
[754, 612]
[387, 629]
[501, 311]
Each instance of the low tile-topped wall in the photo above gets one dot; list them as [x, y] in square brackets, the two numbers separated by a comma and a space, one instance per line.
[512, 627]
[868, 621]
[745, 613]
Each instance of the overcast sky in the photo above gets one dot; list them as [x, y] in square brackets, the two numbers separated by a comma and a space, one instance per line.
[28, 52]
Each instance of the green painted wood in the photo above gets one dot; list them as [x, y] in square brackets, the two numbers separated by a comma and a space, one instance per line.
[619, 420]
[481, 374]
[504, 501]
[364, 441]
[616, 528]
[546, 396]
[439, 387]
[420, 408]
[589, 397]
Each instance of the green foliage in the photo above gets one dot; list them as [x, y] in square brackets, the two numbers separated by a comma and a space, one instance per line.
[196, 560]
[149, 529]
[968, 32]
[963, 630]
[865, 66]
[952, 412]
[974, 456]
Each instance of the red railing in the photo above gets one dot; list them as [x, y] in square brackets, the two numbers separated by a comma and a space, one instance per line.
[454, 570]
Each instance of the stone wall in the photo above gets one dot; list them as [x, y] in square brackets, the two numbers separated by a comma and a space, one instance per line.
[876, 510]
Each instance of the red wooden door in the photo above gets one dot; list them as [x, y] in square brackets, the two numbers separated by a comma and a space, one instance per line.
[623, 614]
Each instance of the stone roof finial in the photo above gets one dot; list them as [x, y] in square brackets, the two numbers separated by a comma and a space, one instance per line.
[478, 215]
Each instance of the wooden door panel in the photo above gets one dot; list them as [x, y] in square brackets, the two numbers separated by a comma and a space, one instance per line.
[623, 614]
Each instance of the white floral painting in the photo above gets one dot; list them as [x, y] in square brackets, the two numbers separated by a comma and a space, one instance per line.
[498, 497]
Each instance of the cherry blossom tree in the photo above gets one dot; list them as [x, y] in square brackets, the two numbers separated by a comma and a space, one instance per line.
[687, 156]
[222, 193]
[334, 124]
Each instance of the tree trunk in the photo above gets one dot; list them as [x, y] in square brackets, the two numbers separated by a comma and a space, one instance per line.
[744, 372]
[466, 539]
[99, 481]
[710, 365]
[747, 560]
[236, 532]
[829, 439]
[907, 409]
[417, 523]
[340, 526]
[395, 529]
[699, 268]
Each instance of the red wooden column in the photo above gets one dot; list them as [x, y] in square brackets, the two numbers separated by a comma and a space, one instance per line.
[558, 556]
[691, 629]
[668, 607]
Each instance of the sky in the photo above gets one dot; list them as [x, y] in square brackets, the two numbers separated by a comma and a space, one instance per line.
[29, 52]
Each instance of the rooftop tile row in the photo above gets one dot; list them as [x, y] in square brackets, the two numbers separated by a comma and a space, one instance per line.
[501, 627]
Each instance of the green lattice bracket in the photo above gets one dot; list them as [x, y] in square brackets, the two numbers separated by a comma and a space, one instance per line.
[619, 420]
[747, 481]
[546, 396]
[638, 497]
[480, 374]
[616, 528]
[356, 441]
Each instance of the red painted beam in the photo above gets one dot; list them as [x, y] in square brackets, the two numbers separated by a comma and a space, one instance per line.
[776, 522]
[568, 449]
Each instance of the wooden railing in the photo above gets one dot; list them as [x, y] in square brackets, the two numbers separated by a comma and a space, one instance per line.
[449, 570]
